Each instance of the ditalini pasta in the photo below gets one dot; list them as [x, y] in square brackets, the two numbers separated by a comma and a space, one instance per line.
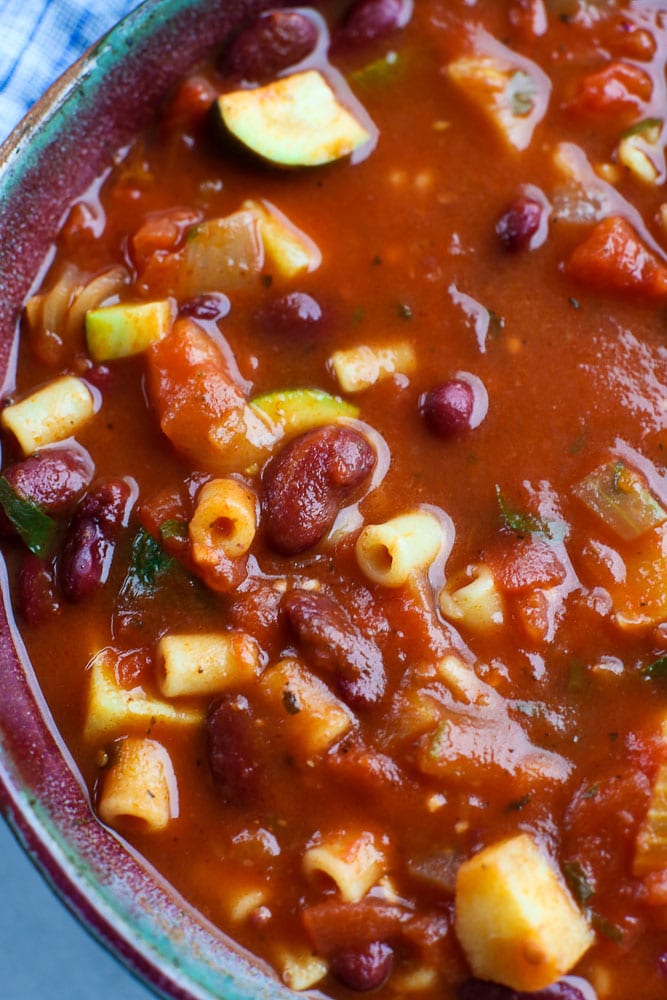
[139, 786]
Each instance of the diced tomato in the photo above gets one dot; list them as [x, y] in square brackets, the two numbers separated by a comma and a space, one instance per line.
[334, 925]
[614, 259]
[618, 88]
[163, 231]
[168, 506]
[200, 409]
[524, 563]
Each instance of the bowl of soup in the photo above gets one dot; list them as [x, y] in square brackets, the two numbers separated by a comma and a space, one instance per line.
[333, 493]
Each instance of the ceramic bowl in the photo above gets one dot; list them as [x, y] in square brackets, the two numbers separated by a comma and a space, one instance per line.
[54, 154]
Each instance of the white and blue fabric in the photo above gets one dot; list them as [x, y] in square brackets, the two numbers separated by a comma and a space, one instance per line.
[39, 39]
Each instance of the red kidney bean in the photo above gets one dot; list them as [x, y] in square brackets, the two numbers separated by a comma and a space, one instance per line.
[231, 749]
[90, 539]
[36, 597]
[213, 306]
[364, 968]
[270, 44]
[293, 315]
[53, 480]
[307, 483]
[331, 642]
[447, 408]
[569, 988]
[519, 223]
[366, 20]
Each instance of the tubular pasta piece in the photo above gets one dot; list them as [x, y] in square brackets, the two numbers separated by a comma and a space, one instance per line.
[391, 552]
[225, 519]
[361, 367]
[477, 604]
[352, 860]
[300, 970]
[53, 413]
[194, 665]
[314, 718]
[111, 707]
[140, 785]
[242, 901]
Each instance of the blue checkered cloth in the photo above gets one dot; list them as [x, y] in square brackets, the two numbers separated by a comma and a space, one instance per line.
[39, 39]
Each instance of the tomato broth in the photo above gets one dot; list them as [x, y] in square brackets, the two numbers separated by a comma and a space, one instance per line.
[350, 496]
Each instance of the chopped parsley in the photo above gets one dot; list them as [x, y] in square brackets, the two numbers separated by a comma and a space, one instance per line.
[34, 526]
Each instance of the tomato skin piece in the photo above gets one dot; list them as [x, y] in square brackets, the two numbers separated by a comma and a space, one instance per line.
[614, 259]
[616, 89]
[526, 563]
[199, 407]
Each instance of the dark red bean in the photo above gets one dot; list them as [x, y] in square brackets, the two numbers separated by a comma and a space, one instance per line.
[517, 226]
[331, 642]
[36, 596]
[291, 315]
[53, 480]
[447, 408]
[231, 749]
[364, 968]
[90, 539]
[569, 988]
[270, 44]
[213, 306]
[307, 483]
[366, 20]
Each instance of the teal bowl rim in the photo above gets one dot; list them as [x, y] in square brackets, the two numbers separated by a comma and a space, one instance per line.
[52, 155]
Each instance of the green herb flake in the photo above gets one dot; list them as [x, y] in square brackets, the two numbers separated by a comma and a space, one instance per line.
[518, 804]
[380, 72]
[404, 311]
[591, 792]
[521, 92]
[575, 303]
[173, 528]
[34, 527]
[291, 702]
[358, 315]
[605, 926]
[520, 521]
[148, 561]
[645, 128]
[656, 671]
[578, 881]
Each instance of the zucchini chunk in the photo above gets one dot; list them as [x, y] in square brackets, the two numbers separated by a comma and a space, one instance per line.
[295, 121]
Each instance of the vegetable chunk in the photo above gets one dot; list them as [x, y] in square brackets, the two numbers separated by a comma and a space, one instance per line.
[515, 919]
[296, 121]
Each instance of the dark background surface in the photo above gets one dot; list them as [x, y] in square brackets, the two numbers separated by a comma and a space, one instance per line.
[45, 954]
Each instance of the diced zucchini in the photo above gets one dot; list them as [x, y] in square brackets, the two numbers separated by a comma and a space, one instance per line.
[639, 149]
[293, 411]
[515, 918]
[295, 121]
[128, 328]
[52, 413]
[289, 250]
[620, 497]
